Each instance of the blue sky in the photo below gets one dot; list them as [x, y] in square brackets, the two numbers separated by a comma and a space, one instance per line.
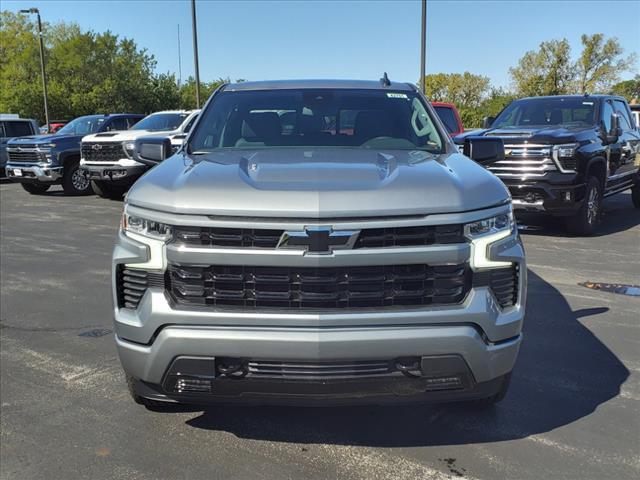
[349, 39]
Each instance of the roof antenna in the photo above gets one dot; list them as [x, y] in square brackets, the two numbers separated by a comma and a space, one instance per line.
[385, 80]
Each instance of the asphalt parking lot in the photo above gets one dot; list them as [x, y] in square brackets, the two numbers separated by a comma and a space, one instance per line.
[573, 410]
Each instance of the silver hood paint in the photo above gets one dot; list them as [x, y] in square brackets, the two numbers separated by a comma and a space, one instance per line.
[317, 183]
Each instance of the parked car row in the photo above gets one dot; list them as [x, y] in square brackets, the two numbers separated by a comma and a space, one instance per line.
[562, 155]
[103, 165]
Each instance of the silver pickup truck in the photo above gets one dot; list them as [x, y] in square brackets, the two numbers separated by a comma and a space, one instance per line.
[318, 242]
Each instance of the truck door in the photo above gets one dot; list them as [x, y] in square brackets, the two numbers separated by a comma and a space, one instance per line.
[630, 142]
[614, 150]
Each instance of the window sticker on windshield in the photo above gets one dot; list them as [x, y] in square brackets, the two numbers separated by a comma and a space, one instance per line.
[397, 95]
[587, 103]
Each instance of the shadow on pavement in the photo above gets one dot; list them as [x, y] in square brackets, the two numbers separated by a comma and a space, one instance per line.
[563, 374]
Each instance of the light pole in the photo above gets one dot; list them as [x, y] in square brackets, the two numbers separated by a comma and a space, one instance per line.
[423, 47]
[44, 75]
[195, 51]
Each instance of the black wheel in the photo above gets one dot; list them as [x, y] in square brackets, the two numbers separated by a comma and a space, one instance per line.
[635, 194]
[106, 189]
[148, 403]
[35, 188]
[588, 217]
[496, 397]
[74, 182]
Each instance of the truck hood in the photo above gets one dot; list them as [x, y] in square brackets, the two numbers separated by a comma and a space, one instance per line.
[124, 135]
[544, 135]
[42, 139]
[317, 183]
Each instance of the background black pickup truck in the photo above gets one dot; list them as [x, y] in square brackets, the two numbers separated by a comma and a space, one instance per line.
[563, 154]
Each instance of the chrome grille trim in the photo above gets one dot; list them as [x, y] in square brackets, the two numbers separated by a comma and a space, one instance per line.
[524, 161]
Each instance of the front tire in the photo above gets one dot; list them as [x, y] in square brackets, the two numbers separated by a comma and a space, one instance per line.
[35, 188]
[74, 182]
[108, 190]
[589, 216]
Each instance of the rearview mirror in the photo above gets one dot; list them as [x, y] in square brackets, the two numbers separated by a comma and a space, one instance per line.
[487, 122]
[484, 150]
[151, 150]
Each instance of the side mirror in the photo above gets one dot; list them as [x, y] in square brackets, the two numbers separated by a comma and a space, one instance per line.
[151, 150]
[487, 122]
[484, 150]
[615, 132]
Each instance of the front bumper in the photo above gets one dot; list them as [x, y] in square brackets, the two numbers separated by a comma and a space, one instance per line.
[124, 169]
[485, 336]
[33, 172]
[555, 199]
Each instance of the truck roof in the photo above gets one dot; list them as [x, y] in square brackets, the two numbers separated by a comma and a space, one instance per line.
[313, 84]
[595, 95]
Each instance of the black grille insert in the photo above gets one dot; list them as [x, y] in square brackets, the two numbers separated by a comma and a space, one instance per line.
[132, 283]
[23, 155]
[318, 288]
[292, 370]
[504, 284]
[102, 152]
[368, 237]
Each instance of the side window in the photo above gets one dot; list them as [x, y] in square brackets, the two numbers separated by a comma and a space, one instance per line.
[2, 134]
[119, 123]
[131, 121]
[187, 129]
[607, 111]
[18, 129]
[621, 110]
[448, 118]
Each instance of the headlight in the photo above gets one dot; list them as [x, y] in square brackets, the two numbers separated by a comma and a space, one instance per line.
[46, 146]
[500, 223]
[565, 156]
[484, 233]
[129, 147]
[146, 228]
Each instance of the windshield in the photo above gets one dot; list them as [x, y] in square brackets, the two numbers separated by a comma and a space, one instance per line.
[540, 112]
[260, 119]
[83, 125]
[161, 121]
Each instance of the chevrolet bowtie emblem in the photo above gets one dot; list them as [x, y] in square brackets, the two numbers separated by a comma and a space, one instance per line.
[97, 146]
[321, 240]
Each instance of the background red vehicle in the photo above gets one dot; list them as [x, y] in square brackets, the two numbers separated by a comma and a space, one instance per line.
[450, 117]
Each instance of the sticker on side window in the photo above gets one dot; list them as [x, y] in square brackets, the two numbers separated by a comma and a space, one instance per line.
[397, 95]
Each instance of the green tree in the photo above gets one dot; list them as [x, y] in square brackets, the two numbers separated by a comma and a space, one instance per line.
[466, 91]
[630, 89]
[547, 71]
[87, 73]
[601, 63]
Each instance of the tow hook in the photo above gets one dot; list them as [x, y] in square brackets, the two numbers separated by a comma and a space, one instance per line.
[232, 367]
[410, 367]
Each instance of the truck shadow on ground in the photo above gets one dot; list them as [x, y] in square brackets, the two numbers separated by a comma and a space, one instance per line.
[563, 374]
[619, 215]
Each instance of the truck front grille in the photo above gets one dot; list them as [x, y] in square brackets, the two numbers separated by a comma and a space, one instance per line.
[524, 161]
[318, 288]
[102, 151]
[368, 237]
[25, 154]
